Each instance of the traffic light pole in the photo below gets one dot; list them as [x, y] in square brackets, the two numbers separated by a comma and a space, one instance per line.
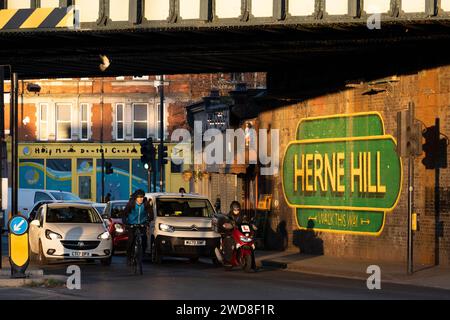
[410, 267]
[14, 133]
[437, 199]
[2, 137]
[161, 135]
[103, 174]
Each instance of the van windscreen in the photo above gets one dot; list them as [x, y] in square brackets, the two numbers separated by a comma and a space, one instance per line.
[193, 208]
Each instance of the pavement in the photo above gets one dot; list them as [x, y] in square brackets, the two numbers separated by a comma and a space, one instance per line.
[396, 273]
[34, 275]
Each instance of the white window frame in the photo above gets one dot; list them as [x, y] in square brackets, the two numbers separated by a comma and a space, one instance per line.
[121, 104]
[57, 121]
[40, 121]
[88, 111]
[134, 121]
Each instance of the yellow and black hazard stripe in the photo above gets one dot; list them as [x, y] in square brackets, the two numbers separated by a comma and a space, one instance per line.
[39, 18]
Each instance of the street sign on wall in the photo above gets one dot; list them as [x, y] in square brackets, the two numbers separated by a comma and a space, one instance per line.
[342, 174]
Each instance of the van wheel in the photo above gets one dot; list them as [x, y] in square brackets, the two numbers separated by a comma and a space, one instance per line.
[156, 256]
[42, 260]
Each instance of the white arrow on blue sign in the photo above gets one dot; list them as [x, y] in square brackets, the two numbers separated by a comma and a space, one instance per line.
[18, 225]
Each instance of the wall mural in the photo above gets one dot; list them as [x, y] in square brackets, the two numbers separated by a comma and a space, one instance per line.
[342, 174]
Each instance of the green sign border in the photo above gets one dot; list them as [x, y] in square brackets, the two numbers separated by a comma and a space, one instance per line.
[351, 116]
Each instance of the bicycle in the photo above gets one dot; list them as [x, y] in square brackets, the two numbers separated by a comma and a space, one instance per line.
[137, 247]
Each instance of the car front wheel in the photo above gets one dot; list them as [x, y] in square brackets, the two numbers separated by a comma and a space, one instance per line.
[42, 260]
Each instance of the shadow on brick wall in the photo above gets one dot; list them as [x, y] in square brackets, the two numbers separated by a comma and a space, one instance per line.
[277, 239]
[307, 241]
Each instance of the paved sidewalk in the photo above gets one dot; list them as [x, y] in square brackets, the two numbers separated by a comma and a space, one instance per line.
[427, 276]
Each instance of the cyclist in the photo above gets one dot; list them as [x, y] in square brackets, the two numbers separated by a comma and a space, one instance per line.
[137, 212]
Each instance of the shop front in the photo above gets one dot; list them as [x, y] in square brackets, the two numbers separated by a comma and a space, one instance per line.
[77, 168]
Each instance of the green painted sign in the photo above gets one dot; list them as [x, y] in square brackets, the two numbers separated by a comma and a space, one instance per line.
[342, 174]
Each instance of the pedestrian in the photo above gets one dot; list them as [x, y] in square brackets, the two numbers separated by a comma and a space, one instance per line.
[181, 190]
[108, 198]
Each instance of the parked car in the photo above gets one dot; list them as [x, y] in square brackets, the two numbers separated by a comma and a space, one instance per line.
[32, 213]
[69, 231]
[113, 219]
[28, 197]
[182, 227]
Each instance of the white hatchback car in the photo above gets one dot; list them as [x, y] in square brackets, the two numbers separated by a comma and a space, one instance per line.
[69, 231]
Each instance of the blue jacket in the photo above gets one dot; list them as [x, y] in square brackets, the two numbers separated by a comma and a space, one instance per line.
[138, 215]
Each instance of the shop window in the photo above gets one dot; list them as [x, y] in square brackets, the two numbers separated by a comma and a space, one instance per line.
[43, 122]
[59, 174]
[84, 166]
[31, 173]
[84, 121]
[117, 183]
[63, 121]
[140, 121]
[140, 177]
[119, 121]
[176, 168]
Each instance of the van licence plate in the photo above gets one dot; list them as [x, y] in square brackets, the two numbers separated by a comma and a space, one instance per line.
[195, 242]
[80, 254]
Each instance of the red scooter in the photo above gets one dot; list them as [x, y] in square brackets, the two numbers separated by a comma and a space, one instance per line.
[243, 250]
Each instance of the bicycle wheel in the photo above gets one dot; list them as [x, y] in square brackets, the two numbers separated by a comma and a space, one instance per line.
[139, 256]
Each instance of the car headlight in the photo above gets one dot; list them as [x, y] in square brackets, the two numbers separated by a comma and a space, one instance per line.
[166, 228]
[50, 235]
[104, 236]
[245, 239]
[118, 228]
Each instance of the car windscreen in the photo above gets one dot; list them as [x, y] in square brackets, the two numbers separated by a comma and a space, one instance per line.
[194, 208]
[117, 210]
[100, 209]
[72, 215]
[65, 196]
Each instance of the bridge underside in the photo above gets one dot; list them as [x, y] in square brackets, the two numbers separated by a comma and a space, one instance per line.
[319, 53]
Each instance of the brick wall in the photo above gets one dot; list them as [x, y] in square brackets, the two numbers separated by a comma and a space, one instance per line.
[430, 90]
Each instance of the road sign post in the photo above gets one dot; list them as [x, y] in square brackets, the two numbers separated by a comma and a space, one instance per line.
[18, 246]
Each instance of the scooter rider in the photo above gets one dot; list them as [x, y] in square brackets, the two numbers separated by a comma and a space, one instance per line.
[235, 218]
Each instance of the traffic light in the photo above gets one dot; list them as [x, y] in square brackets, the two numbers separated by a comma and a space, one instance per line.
[147, 152]
[408, 133]
[108, 168]
[435, 149]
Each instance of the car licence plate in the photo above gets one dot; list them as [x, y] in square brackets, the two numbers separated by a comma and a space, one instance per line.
[195, 242]
[80, 254]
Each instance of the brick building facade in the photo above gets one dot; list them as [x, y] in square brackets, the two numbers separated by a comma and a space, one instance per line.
[64, 125]
[430, 91]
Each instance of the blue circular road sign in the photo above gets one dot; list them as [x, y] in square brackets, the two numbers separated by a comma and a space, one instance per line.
[18, 225]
